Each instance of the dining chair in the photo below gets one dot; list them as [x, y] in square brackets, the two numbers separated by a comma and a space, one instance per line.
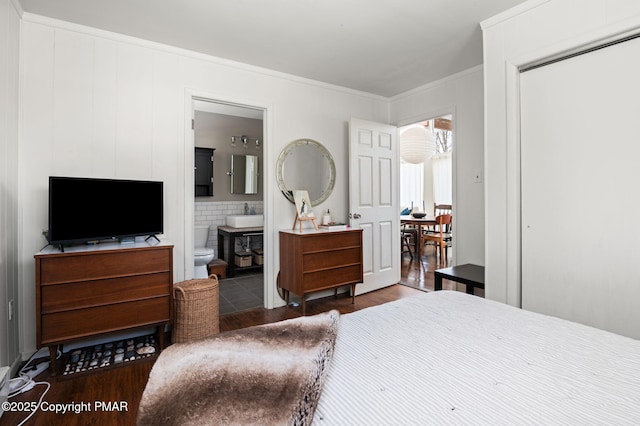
[439, 209]
[441, 237]
[407, 234]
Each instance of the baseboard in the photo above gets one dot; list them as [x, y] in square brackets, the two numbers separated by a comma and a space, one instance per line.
[5, 376]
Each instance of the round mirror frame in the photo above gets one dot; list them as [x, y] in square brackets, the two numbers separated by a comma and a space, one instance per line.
[280, 165]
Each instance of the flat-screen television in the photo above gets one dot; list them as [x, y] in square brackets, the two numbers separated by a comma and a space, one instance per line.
[87, 209]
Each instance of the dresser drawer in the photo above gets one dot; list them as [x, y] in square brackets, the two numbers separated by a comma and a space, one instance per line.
[331, 259]
[319, 280]
[330, 241]
[82, 294]
[77, 323]
[96, 265]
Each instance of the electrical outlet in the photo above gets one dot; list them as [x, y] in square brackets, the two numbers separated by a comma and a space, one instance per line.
[10, 309]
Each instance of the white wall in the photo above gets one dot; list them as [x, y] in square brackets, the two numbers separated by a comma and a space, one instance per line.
[99, 104]
[214, 131]
[527, 34]
[9, 47]
[460, 95]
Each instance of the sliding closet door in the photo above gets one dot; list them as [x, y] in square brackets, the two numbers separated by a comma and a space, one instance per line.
[580, 148]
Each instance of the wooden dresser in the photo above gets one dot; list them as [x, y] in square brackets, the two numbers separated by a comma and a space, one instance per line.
[315, 260]
[85, 292]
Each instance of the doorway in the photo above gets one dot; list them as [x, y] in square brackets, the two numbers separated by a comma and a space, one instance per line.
[219, 126]
[429, 181]
[426, 181]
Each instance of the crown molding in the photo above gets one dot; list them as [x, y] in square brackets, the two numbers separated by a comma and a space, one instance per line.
[510, 13]
[117, 37]
[433, 84]
[18, 7]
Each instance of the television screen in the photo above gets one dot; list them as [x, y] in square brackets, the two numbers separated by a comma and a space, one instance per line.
[86, 209]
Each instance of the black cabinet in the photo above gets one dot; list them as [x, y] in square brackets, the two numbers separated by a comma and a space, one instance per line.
[204, 172]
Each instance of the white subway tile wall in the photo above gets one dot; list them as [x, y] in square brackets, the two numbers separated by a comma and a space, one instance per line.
[215, 213]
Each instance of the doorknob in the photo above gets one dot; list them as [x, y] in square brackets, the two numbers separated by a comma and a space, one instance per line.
[354, 216]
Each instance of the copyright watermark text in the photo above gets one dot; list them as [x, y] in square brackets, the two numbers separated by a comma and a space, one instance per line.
[68, 407]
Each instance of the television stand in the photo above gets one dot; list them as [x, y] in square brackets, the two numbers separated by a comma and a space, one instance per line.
[89, 292]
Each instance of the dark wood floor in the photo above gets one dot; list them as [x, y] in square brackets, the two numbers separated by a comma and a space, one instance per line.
[126, 384]
[420, 274]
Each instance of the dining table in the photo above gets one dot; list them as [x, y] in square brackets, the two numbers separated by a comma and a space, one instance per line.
[419, 223]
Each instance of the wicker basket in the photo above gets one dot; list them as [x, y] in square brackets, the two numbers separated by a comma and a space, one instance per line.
[258, 257]
[196, 305]
[243, 259]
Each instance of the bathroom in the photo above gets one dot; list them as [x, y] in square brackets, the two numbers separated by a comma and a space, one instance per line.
[227, 133]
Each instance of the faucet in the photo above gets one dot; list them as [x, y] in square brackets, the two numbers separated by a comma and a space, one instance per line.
[246, 208]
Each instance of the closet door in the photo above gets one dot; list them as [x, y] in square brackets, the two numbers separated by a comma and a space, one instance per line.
[580, 165]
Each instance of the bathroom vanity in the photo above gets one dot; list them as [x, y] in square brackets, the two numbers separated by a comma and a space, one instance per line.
[314, 260]
[227, 236]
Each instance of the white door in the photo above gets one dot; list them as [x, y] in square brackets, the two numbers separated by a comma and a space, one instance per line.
[374, 201]
[580, 174]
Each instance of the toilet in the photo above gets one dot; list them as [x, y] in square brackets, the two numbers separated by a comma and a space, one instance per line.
[202, 255]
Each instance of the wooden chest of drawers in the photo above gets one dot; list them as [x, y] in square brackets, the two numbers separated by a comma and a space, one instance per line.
[319, 260]
[85, 293]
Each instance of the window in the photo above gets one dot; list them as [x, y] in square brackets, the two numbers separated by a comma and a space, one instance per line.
[411, 184]
[443, 167]
[442, 171]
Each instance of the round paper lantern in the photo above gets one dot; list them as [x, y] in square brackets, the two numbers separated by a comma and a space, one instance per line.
[417, 144]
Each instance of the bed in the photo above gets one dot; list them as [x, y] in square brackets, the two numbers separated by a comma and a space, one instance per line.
[450, 358]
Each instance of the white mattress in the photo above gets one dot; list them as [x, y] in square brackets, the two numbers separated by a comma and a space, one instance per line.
[451, 358]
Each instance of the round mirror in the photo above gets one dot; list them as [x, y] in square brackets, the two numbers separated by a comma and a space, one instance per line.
[306, 164]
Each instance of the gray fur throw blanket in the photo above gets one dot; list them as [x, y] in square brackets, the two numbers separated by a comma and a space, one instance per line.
[270, 374]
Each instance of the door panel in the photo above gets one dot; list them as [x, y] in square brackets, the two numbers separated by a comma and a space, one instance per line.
[365, 182]
[385, 167]
[367, 248]
[386, 242]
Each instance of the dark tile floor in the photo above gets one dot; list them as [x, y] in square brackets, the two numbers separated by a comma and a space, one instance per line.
[242, 292]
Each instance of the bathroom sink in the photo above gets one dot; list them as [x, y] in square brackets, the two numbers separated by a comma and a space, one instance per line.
[245, 221]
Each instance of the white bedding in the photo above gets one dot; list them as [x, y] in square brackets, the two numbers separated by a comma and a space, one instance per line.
[451, 358]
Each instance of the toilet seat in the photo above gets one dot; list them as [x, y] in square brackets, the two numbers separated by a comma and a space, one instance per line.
[202, 251]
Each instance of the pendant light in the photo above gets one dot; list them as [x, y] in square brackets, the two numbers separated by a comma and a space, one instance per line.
[417, 145]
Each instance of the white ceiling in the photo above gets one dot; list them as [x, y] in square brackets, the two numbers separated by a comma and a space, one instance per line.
[383, 47]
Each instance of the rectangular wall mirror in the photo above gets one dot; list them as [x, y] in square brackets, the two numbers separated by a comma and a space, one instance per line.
[244, 174]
